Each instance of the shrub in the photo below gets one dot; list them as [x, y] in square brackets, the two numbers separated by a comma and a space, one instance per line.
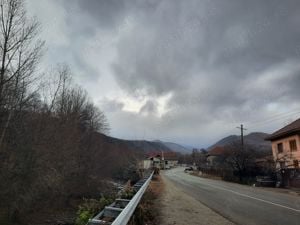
[82, 217]
[128, 192]
[91, 207]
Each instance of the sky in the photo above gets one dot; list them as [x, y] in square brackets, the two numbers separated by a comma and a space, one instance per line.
[189, 71]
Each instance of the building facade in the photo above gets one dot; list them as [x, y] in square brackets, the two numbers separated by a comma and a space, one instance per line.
[160, 160]
[286, 153]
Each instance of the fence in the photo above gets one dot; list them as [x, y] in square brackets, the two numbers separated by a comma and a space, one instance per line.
[120, 211]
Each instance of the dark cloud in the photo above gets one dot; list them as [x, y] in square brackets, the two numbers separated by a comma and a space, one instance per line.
[107, 12]
[235, 42]
[221, 62]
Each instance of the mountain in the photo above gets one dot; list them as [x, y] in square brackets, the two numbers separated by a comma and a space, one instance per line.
[225, 141]
[154, 146]
[256, 139]
[175, 147]
[149, 146]
[140, 145]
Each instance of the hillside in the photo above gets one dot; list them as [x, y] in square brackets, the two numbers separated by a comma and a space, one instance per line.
[224, 141]
[76, 171]
[142, 146]
[121, 154]
[174, 147]
[256, 139]
[149, 146]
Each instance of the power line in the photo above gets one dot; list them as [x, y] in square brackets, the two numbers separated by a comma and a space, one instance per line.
[276, 117]
[296, 111]
[272, 120]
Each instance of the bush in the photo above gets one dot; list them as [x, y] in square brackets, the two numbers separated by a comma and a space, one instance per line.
[82, 217]
[91, 207]
[128, 192]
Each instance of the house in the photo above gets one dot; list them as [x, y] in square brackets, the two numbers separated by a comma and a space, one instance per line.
[286, 153]
[170, 160]
[214, 156]
[147, 164]
[160, 160]
[156, 161]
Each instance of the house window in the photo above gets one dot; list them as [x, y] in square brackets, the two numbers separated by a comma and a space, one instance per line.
[293, 145]
[279, 147]
[296, 163]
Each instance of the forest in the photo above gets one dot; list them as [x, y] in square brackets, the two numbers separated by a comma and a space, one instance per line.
[53, 147]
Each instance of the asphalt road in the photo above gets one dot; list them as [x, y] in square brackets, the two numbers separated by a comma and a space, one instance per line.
[240, 204]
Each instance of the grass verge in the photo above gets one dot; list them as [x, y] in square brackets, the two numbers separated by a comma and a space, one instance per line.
[148, 211]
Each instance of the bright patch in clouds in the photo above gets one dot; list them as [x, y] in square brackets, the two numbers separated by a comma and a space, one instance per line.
[135, 105]
[182, 71]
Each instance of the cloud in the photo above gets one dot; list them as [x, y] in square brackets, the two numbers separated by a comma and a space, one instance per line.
[111, 106]
[149, 108]
[184, 71]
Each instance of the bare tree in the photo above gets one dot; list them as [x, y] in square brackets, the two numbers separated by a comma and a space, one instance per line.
[94, 119]
[47, 140]
[240, 159]
[70, 102]
[199, 157]
[20, 52]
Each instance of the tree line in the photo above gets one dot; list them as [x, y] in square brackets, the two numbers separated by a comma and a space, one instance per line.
[235, 162]
[49, 127]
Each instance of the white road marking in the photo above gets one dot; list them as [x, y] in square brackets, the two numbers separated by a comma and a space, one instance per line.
[248, 196]
[258, 199]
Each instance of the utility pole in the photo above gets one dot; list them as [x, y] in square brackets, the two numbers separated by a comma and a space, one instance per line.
[242, 134]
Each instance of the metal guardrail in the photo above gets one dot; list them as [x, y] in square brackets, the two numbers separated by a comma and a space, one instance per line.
[122, 209]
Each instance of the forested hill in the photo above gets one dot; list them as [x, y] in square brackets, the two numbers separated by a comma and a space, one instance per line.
[255, 139]
[142, 146]
[52, 146]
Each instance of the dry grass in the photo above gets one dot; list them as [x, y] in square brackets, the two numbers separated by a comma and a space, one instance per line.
[156, 186]
[148, 211]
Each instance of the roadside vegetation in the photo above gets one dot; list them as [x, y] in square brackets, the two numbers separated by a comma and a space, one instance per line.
[236, 163]
[53, 151]
[148, 211]
[90, 207]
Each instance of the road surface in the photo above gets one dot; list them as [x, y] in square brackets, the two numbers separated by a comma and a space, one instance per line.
[240, 204]
[179, 208]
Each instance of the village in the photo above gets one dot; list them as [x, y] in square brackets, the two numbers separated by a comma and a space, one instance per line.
[278, 168]
[149, 112]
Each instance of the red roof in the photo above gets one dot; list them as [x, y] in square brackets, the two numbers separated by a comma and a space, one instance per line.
[292, 128]
[218, 150]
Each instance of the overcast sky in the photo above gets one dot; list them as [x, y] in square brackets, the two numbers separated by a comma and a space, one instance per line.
[181, 71]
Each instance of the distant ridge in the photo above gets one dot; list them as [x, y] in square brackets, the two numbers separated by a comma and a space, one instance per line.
[148, 146]
[256, 139]
[140, 145]
[175, 147]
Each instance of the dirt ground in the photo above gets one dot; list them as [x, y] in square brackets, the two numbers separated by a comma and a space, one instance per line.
[178, 208]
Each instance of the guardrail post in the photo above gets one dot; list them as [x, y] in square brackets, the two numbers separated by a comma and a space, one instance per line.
[112, 211]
